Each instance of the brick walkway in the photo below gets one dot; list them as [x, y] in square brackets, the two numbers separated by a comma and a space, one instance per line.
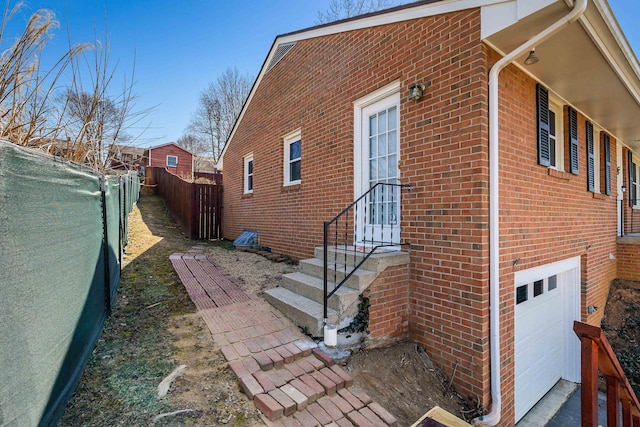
[290, 380]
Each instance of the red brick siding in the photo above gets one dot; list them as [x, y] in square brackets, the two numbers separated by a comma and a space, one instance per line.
[389, 306]
[547, 215]
[628, 258]
[443, 153]
[158, 158]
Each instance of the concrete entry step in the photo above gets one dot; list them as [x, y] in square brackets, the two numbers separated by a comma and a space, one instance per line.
[360, 280]
[313, 288]
[306, 308]
[377, 262]
[305, 313]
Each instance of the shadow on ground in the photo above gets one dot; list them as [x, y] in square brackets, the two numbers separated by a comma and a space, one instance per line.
[155, 328]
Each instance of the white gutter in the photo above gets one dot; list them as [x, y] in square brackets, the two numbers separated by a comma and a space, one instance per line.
[493, 417]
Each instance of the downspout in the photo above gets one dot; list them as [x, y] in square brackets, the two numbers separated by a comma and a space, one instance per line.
[493, 417]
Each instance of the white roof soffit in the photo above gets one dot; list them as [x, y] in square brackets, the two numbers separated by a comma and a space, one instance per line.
[589, 63]
[401, 13]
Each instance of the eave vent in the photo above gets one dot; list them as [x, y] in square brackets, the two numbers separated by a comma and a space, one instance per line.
[280, 52]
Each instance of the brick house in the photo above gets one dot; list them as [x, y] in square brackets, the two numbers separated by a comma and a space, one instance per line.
[522, 154]
[174, 158]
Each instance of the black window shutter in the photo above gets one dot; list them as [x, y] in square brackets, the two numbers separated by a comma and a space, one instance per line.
[544, 155]
[606, 156]
[631, 167]
[631, 171]
[591, 165]
[573, 141]
[634, 187]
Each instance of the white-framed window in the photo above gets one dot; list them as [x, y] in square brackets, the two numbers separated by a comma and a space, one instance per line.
[248, 173]
[636, 185]
[172, 161]
[634, 181]
[556, 135]
[293, 158]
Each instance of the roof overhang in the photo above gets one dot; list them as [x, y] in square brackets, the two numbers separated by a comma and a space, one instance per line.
[589, 63]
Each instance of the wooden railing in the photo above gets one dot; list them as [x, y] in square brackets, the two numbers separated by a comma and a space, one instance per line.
[597, 355]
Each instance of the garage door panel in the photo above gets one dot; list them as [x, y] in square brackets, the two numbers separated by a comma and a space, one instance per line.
[539, 335]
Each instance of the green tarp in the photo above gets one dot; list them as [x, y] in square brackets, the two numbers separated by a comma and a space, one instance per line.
[58, 277]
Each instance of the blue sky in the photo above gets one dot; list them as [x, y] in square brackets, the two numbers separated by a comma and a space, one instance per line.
[180, 46]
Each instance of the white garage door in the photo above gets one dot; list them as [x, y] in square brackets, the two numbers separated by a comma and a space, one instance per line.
[545, 348]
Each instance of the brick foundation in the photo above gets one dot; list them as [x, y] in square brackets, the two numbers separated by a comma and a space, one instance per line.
[389, 307]
[628, 261]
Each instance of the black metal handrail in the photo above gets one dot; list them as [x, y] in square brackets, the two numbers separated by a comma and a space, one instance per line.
[377, 207]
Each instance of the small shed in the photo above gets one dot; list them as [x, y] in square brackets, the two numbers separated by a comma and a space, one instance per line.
[174, 158]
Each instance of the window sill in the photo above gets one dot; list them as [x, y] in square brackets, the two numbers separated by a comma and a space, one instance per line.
[599, 196]
[291, 187]
[565, 176]
[247, 195]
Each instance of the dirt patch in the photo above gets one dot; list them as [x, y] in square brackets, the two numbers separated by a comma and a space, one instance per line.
[155, 328]
[254, 273]
[621, 325]
[403, 379]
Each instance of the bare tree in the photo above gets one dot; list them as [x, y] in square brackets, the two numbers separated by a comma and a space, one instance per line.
[218, 108]
[194, 144]
[95, 123]
[342, 9]
[26, 90]
[52, 109]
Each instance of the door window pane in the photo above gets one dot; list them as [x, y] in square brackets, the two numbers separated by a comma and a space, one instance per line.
[382, 168]
[382, 122]
[392, 141]
[393, 118]
[382, 145]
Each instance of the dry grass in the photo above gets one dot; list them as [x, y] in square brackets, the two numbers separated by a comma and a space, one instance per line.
[154, 329]
[67, 108]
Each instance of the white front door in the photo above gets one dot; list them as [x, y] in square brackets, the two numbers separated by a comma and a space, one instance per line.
[377, 153]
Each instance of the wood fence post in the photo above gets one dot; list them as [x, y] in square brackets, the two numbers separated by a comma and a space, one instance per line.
[589, 390]
[219, 211]
[193, 227]
[627, 419]
[613, 397]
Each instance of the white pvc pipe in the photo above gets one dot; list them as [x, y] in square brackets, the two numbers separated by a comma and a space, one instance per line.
[330, 335]
[493, 417]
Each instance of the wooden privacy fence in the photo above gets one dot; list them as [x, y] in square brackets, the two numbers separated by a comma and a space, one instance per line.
[197, 208]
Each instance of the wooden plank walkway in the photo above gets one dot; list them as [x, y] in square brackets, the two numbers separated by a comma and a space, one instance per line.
[290, 380]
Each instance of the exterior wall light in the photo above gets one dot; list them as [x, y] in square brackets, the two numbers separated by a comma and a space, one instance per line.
[532, 58]
[416, 91]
